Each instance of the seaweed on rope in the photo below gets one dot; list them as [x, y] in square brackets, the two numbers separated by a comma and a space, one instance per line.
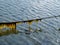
[12, 25]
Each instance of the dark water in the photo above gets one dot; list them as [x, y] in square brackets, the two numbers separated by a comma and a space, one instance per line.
[16, 10]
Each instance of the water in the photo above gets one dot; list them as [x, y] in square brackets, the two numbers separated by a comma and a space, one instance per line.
[17, 10]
